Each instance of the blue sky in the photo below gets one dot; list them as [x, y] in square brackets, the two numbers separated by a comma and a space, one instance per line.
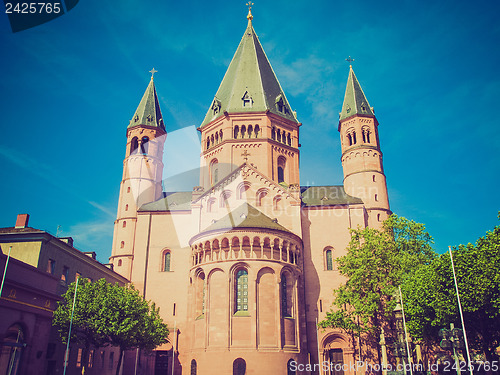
[430, 70]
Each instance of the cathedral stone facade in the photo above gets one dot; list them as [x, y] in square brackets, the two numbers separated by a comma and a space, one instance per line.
[243, 265]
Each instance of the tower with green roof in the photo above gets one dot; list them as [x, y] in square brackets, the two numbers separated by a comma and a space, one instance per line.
[361, 154]
[250, 120]
[142, 174]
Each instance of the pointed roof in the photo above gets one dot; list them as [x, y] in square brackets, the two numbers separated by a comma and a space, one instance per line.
[245, 216]
[148, 112]
[249, 84]
[355, 102]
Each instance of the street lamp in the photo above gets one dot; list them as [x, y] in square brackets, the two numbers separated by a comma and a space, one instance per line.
[452, 339]
[400, 351]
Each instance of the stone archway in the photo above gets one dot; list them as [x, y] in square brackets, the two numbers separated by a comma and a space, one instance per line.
[337, 354]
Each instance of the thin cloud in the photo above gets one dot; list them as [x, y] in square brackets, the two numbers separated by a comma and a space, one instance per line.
[49, 174]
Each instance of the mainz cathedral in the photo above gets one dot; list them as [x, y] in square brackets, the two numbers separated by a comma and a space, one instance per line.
[242, 266]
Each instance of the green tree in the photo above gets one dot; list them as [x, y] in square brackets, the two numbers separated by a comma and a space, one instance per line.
[431, 301]
[376, 263]
[109, 314]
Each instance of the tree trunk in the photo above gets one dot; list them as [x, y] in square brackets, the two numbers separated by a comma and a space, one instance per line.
[119, 362]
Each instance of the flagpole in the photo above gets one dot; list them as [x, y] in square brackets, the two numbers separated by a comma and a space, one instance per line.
[460, 309]
[406, 332]
[66, 355]
[5, 270]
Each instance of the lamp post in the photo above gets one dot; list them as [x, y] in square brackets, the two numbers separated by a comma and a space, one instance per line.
[452, 339]
[400, 351]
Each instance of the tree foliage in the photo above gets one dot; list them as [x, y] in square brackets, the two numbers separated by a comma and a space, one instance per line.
[431, 301]
[109, 314]
[376, 263]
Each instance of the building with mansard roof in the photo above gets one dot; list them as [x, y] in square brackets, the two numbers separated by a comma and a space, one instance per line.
[243, 265]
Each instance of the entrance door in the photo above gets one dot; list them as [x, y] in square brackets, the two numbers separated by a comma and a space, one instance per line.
[11, 350]
[161, 362]
[336, 358]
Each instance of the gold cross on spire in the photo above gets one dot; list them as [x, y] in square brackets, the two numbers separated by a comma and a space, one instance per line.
[245, 155]
[249, 16]
[153, 71]
[350, 60]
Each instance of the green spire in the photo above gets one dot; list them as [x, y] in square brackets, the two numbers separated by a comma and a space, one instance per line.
[250, 84]
[355, 102]
[148, 112]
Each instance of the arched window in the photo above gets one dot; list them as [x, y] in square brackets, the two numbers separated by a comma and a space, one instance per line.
[214, 171]
[239, 367]
[250, 129]
[212, 141]
[208, 143]
[278, 135]
[216, 137]
[144, 145]
[242, 189]
[236, 131]
[273, 134]
[329, 260]
[134, 145]
[124, 224]
[220, 135]
[119, 262]
[200, 294]
[166, 261]
[261, 194]
[224, 197]
[286, 297]
[122, 244]
[281, 169]
[126, 207]
[366, 135]
[291, 367]
[257, 131]
[243, 131]
[210, 205]
[193, 367]
[277, 203]
[349, 139]
[289, 139]
[353, 138]
[241, 290]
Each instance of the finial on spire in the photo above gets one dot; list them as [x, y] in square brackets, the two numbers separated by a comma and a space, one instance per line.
[249, 16]
[153, 71]
[350, 60]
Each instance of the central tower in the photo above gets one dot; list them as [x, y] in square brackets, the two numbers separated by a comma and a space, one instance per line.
[250, 120]
[246, 283]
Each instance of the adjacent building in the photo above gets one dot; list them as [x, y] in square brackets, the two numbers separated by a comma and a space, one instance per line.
[40, 268]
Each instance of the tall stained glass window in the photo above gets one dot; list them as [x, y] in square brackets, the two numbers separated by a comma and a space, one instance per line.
[241, 288]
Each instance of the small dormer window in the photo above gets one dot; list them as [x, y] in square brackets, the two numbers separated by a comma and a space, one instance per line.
[150, 118]
[280, 104]
[247, 100]
[363, 107]
[136, 118]
[347, 108]
[216, 106]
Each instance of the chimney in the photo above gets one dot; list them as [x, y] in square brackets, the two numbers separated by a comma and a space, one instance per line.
[22, 220]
